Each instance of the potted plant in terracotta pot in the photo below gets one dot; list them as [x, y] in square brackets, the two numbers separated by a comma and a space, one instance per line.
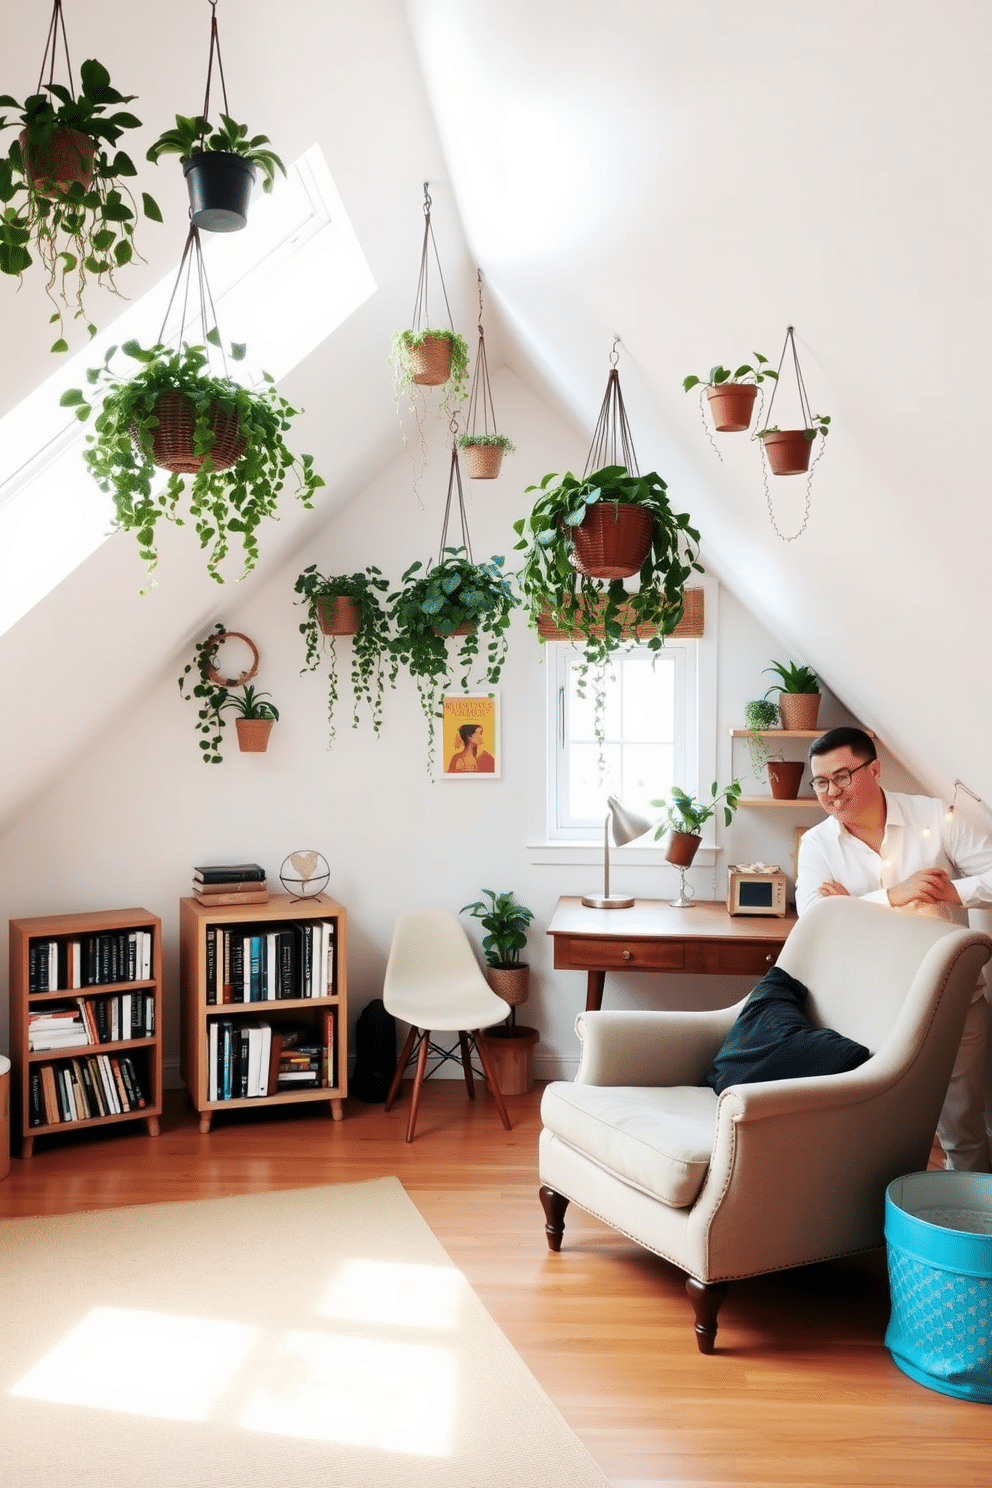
[788, 450]
[220, 163]
[785, 777]
[453, 597]
[431, 357]
[798, 691]
[685, 815]
[731, 394]
[349, 605]
[222, 442]
[255, 719]
[63, 190]
[484, 454]
[510, 1045]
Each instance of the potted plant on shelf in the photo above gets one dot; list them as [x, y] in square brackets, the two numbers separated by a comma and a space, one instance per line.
[731, 394]
[64, 192]
[349, 605]
[484, 454]
[453, 597]
[227, 441]
[220, 163]
[255, 719]
[798, 691]
[788, 450]
[685, 815]
[760, 715]
[510, 1045]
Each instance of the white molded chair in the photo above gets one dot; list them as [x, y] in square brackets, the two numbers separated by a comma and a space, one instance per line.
[778, 1173]
[434, 983]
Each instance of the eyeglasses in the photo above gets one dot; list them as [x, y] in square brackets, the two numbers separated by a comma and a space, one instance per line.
[840, 778]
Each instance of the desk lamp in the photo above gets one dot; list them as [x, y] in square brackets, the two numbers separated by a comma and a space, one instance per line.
[626, 826]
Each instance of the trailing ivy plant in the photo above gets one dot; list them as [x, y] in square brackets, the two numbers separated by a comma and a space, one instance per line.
[371, 659]
[222, 504]
[407, 343]
[212, 696]
[79, 230]
[194, 136]
[430, 605]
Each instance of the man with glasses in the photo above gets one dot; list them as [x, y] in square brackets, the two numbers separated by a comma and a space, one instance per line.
[912, 853]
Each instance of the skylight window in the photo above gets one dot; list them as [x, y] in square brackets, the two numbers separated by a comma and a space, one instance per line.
[283, 285]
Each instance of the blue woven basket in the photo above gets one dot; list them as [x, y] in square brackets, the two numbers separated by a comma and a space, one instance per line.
[938, 1232]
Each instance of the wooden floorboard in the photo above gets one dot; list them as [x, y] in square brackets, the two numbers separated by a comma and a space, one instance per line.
[801, 1390]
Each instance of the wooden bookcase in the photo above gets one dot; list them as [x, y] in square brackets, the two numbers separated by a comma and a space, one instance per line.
[195, 921]
[145, 1053]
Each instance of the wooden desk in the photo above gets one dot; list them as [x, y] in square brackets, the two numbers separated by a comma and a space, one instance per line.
[655, 937]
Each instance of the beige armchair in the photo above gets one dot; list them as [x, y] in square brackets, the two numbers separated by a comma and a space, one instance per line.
[780, 1173]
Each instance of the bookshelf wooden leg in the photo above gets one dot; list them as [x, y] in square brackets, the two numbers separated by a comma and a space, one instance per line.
[337, 1110]
[152, 1124]
[27, 1146]
[205, 1120]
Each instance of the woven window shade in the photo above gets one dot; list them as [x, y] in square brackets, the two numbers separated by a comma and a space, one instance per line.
[690, 626]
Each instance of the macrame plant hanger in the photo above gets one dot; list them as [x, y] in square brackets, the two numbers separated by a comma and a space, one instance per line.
[421, 308]
[214, 50]
[807, 416]
[484, 459]
[455, 484]
[193, 272]
[56, 27]
[612, 443]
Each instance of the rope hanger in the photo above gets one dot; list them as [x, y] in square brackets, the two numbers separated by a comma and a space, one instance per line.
[214, 47]
[55, 26]
[421, 316]
[455, 483]
[480, 393]
[612, 443]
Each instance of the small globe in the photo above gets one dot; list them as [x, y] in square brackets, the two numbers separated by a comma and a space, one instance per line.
[304, 874]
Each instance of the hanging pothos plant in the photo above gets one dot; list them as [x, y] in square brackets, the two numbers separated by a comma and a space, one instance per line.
[233, 464]
[371, 659]
[453, 597]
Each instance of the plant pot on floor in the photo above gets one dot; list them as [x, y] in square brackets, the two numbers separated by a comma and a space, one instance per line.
[253, 734]
[731, 406]
[219, 186]
[431, 361]
[798, 710]
[512, 1053]
[785, 777]
[66, 161]
[172, 437]
[788, 451]
[681, 848]
[338, 615]
[613, 540]
[483, 461]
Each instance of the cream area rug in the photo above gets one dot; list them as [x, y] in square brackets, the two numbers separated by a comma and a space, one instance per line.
[318, 1336]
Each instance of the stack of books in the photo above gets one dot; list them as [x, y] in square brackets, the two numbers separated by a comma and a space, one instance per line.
[231, 883]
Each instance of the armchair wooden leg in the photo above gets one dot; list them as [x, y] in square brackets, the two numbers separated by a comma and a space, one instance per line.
[554, 1206]
[706, 1298]
[404, 1060]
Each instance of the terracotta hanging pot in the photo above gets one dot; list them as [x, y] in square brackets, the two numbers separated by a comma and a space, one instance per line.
[799, 710]
[681, 848]
[512, 983]
[66, 161]
[466, 628]
[512, 1053]
[172, 437]
[613, 540]
[785, 777]
[788, 451]
[219, 185]
[253, 734]
[337, 614]
[431, 361]
[483, 461]
[731, 406]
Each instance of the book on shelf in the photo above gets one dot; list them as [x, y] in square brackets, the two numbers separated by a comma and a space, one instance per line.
[258, 894]
[231, 873]
[212, 891]
[76, 962]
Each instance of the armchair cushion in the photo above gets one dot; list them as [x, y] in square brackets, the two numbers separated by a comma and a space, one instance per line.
[773, 1039]
[658, 1140]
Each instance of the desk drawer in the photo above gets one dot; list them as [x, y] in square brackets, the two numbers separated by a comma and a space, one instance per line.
[612, 955]
[740, 959]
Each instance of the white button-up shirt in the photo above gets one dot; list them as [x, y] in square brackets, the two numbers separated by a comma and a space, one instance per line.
[918, 835]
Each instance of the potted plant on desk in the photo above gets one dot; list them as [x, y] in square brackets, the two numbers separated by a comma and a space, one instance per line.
[684, 816]
[510, 1045]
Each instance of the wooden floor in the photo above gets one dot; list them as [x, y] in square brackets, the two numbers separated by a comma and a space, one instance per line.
[801, 1390]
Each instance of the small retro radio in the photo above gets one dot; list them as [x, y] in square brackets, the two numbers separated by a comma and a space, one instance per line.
[756, 889]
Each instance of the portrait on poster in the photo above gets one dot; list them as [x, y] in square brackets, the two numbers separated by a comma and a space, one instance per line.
[470, 737]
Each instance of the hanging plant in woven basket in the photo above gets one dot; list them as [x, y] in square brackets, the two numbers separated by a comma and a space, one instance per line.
[482, 443]
[222, 442]
[428, 353]
[788, 451]
[220, 161]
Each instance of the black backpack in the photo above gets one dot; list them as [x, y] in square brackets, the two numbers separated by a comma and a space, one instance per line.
[375, 1053]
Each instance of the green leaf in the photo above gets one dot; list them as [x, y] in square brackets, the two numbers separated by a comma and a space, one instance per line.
[150, 207]
[59, 345]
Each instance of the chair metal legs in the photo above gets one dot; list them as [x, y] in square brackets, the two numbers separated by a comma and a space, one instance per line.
[419, 1041]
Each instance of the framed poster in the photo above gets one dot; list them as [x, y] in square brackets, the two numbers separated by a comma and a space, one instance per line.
[470, 738]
